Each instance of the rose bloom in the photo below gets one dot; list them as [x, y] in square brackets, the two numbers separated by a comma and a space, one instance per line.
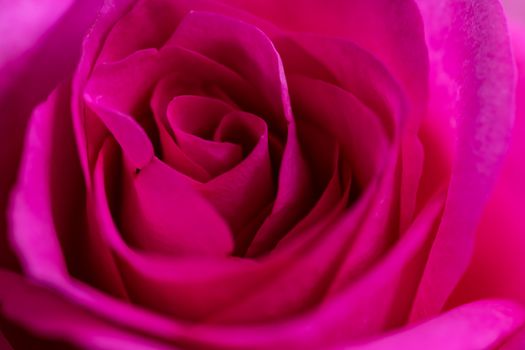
[234, 174]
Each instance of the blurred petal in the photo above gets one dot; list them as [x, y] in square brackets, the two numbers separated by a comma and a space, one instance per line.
[480, 325]
[4, 344]
[473, 69]
[23, 22]
[49, 314]
[515, 342]
[24, 82]
[499, 253]
[33, 233]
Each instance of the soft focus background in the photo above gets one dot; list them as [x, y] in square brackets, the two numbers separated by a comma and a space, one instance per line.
[515, 9]
[32, 18]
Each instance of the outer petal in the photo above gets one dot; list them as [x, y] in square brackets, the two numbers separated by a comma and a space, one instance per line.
[24, 82]
[473, 70]
[499, 254]
[480, 325]
[33, 306]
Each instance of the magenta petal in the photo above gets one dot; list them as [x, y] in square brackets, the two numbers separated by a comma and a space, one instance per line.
[106, 18]
[515, 342]
[362, 138]
[197, 115]
[20, 29]
[57, 49]
[470, 51]
[252, 54]
[243, 191]
[332, 202]
[215, 157]
[294, 196]
[177, 218]
[243, 48]
[496, 270]
[392, 32]
[129, 134]
[480, 325]
[32, 228]
[193, 121]
[344, 64]
[49, 314]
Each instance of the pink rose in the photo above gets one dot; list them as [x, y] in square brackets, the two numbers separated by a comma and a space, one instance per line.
[261, 175]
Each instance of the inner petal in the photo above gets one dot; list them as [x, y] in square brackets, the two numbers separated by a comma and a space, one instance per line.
[161, 212]
[242, 193]
[214, 157]
[245, 49]
[358, 130]
[240, 128]
[193, 121]
[196, 115]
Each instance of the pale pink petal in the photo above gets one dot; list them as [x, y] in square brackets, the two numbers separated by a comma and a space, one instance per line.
[57, 49]
[23, 22]
[82, 121]
[474, 74]
[499, 252]
[480, 325]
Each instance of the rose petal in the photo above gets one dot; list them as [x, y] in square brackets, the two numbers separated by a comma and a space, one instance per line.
[470, 54]
[242, 192]
[392, 32]
[245, 49]
[252, 54]
[358, 131]
[31, 202]
[4, 344]
[56, 51]
[129, 134]
[495, 270]
[46, 205]
[193, 122]
[163, 203]
[366, 78]
[109, 14]
[480, 325]
[369, 80]
[515, 342]
[32, 306]
[24, 22]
